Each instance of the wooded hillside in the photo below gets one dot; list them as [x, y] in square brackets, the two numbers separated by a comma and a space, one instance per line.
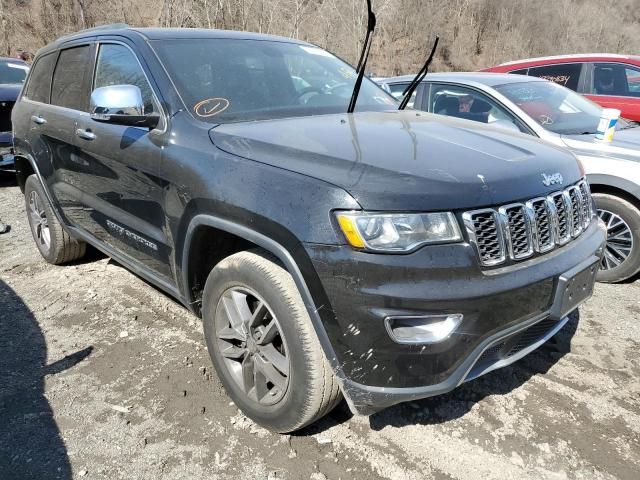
[474, 33]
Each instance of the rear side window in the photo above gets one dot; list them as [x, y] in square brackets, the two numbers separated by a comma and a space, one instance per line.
[117, 65]
[567, 74]
[616, 79]
[522, 71]
[39, 86]
[68, 89]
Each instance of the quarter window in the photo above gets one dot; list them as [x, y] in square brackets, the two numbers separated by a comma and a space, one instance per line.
[39, 86]
[566, 74]
[68, 88]
[117, 65]
[633, 81]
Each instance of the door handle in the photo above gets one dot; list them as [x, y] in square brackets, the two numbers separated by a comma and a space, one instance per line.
[85, 134]
[37, 119]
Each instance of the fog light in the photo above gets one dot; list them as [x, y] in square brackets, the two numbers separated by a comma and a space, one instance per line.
[423, 328]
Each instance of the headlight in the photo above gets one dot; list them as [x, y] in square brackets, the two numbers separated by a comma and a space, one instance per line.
[397, 232]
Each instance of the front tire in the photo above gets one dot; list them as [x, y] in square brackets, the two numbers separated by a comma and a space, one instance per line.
[263, 345]
[622, 253]
[54, 244]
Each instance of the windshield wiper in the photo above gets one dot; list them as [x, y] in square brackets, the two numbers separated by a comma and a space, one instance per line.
[362, 63]
[406, 95]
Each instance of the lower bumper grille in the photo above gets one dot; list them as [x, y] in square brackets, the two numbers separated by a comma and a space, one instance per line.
[507, 348]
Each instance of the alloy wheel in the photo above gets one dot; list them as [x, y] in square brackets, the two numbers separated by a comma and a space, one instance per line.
[252, 345]
[39, 221]
[619, 240]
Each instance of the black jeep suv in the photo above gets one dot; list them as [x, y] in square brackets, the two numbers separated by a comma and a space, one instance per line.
[382, 255]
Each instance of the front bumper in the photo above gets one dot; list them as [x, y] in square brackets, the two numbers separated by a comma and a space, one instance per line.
[6, 152]
[7, 163]
[500, 307]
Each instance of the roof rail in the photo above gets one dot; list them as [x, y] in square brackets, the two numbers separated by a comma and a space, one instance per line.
[108, 26]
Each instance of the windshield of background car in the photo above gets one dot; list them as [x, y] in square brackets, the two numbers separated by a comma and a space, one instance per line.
[13, 72]
[231, 80]
[554, 107]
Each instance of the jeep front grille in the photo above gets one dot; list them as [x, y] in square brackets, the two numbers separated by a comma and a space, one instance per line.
[519, 230]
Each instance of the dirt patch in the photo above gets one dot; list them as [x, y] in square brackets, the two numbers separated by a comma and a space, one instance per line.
[102, 376]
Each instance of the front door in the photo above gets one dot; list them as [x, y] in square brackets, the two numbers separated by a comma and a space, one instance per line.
[124, 192]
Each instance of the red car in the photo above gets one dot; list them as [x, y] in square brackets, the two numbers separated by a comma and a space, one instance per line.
[612, 81]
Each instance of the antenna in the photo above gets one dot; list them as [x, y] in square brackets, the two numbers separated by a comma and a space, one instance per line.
[406, 95]
[362, 63]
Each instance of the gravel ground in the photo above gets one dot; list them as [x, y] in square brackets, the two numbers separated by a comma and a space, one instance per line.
[104, 377]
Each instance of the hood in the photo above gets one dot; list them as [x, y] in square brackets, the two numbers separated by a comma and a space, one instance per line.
[404, 160]
[625, 145]
[9, 91]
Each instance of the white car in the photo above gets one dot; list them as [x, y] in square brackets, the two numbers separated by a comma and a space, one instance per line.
[560, 116]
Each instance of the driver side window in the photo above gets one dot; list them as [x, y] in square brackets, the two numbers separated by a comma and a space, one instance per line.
[462, 102]
[117, 65]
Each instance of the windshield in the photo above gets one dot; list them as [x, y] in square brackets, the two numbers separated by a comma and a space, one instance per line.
[13, 72]
[230, 80]
[555, 107]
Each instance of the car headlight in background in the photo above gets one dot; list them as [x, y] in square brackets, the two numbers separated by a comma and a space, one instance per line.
[397, 232]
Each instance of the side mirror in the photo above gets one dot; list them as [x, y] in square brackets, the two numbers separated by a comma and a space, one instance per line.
[121, 105]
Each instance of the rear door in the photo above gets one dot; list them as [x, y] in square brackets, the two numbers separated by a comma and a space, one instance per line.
[27, 114]
[615, 85]
[54, 125]
[570, 75]
[123, 193]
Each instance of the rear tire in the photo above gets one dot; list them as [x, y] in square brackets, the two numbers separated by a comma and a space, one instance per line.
[302, 387]
[53, 242]
[622, 254]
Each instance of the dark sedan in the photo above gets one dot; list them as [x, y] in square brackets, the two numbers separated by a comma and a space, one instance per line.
[12, 75]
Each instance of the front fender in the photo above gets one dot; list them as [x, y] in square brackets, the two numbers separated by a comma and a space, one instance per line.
[297, 264]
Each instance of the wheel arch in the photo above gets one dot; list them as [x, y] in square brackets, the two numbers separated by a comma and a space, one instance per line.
[24, 169]
[249, 238]
[619, 187]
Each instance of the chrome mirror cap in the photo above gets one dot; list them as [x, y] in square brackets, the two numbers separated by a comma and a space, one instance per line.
[116, 100]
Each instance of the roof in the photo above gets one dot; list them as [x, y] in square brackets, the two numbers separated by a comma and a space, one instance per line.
[168, 33]
[13, 60]
[485, 78]
[577, 56]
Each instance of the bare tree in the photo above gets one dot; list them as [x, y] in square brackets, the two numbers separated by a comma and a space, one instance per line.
[474, 33]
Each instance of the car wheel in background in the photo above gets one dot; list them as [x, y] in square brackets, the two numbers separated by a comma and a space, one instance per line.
[55, 245]
[622, 254]
[263, 345]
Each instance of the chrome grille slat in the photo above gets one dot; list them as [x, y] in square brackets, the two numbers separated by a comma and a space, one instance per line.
[543, 224]
[562, 205]
[487, 234]
[575, 197]
[519, 230]
[587, 210]
[517, 224]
